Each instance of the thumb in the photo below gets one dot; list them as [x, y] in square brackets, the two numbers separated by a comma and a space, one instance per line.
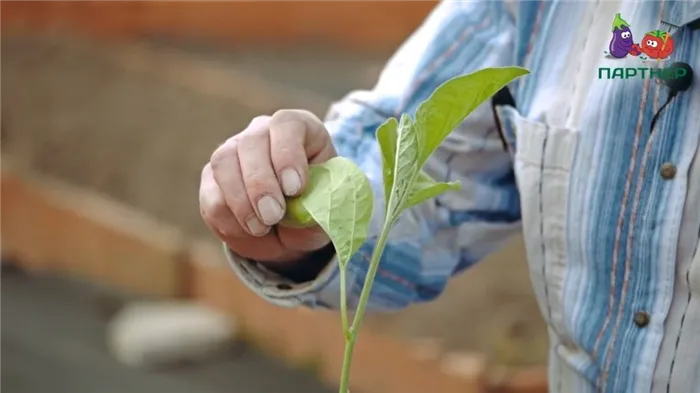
[297, 138]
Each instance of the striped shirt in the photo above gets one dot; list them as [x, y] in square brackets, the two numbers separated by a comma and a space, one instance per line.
[610, 210]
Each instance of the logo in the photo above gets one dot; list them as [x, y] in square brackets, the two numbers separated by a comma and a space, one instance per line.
[656, 46]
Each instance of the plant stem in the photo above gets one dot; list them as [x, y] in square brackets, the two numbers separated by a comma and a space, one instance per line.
[362, 304]
[344, 302]
[347, 360]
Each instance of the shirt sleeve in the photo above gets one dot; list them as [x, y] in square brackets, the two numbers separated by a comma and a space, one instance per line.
[439, 238]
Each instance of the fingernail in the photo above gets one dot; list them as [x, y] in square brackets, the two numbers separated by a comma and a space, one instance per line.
[291, 182]
[256, 227]
[270, 211]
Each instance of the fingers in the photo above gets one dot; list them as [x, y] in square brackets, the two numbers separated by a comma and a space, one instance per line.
[243, 187]
[214, 209]
[223, 223]
[228, 177]
[261, 183]
[297, 138]
[287, 136]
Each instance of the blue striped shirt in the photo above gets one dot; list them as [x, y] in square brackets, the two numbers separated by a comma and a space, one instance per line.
[610, 210]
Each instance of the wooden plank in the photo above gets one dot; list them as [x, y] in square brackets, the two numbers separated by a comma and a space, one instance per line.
[246, 88]
[48, 226]
[357, 25]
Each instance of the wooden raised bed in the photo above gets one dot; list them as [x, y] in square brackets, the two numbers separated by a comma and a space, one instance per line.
[50, 226]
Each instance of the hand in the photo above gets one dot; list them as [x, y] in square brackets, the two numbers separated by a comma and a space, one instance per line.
[241, 195]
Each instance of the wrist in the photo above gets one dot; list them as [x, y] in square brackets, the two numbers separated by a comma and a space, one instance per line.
[303, 266]
[288, 258]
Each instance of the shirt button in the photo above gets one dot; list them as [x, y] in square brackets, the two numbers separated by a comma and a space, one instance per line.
[641, 318]
[668, 171]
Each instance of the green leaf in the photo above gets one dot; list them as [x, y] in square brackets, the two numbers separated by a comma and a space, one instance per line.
[339, 199]
[425, 188]
[296, 215]
[407, 146]
[386, 137]
[405, 166]
[453, 101]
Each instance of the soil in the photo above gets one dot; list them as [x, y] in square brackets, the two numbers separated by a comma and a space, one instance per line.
[139, 128]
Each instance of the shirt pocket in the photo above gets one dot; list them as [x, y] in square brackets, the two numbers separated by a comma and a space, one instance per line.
[543, 156]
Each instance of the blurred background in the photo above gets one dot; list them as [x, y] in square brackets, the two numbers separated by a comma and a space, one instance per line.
[129, 99]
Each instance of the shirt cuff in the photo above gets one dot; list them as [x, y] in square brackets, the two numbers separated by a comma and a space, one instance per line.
[322, 292]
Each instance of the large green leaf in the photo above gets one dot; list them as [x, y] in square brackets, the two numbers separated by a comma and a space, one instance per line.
[339, 199]
[409, 144]
[453, 101]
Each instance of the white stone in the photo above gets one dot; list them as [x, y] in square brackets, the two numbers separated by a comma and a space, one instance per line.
[157, 333]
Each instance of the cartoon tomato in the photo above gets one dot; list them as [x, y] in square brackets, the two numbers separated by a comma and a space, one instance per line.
[656, 44]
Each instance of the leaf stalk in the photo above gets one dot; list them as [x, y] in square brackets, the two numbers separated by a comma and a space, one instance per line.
[362, 304]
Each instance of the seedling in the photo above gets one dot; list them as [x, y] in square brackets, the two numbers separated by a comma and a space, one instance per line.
[339, 198]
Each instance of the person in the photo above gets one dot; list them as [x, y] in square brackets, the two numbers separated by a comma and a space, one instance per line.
[594, 157]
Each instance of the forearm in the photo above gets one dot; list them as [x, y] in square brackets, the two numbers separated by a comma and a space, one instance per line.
[432, 241]
[427, 246]
[429, 243]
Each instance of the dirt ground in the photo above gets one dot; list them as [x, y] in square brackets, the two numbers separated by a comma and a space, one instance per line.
[65, 352]
[138, 124]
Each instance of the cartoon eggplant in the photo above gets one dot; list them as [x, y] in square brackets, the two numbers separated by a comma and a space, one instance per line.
[622, 43]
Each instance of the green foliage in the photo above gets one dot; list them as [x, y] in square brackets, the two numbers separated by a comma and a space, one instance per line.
[339, 197]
